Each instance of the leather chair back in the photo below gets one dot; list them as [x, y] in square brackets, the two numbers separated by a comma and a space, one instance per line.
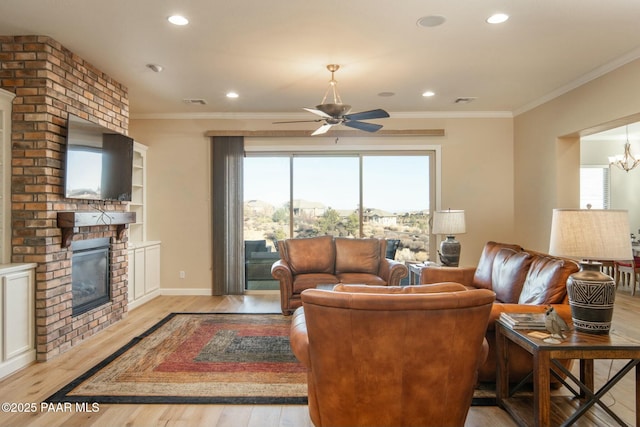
[392, 356]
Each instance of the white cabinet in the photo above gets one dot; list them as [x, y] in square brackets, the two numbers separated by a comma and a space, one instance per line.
[17, 318]
[138, 230]
[144, 272]
[6, 99]
[144, 256]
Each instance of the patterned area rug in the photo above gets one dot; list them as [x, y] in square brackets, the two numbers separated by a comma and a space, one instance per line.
[199, 358]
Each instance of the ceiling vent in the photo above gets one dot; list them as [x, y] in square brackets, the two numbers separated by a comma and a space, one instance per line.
[464, 100]
[195, 101]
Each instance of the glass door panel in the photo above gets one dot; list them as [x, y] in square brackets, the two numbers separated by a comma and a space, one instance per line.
[266, 217]
[325, 196]
[396, 203]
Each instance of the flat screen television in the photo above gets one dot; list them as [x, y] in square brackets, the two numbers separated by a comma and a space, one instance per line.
[99, 162]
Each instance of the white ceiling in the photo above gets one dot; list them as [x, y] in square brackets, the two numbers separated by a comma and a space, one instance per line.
[274, 52]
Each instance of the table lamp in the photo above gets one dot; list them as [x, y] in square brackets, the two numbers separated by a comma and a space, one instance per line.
[591, 235]
[449, 223]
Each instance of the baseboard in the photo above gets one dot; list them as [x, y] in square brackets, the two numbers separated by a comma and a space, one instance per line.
[145, 299]
[16, 363]
[185, 292]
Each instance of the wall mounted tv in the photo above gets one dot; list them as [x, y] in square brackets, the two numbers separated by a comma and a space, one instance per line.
[99, 162]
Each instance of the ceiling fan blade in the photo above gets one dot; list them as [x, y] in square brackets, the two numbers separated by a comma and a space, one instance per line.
[367, 115]
[368, 127]
[299, 121]
[322, 129]
[318, 112]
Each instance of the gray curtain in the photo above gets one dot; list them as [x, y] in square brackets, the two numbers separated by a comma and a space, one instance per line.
[228, 241]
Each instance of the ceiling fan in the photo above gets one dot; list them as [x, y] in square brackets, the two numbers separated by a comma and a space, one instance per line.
[337, 113]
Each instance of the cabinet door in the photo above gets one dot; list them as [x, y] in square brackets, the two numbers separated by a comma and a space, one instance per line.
[152, 268]
[17, 293]
[139, 273]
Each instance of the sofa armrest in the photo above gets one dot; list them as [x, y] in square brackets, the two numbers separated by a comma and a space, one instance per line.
[299, 338]
[281, 271]
[416, 289]
[392, 271]
[463, 275]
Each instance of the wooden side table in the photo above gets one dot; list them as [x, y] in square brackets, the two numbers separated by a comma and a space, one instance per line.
[580, 346]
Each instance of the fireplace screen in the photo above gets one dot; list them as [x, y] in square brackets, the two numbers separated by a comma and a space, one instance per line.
[90, 274]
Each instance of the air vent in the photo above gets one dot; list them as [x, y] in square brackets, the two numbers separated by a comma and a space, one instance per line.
[464, 100]
[196, 101]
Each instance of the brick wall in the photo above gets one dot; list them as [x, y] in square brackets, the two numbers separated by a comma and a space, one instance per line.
[50, 82]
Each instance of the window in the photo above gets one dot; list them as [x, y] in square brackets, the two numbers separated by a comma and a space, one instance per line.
[594, 187]
[306, 195]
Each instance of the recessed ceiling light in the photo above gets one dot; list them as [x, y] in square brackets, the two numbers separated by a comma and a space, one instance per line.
[157, 68]
[195, 101]
[232, 95]
[178, 20]
[386, 94]
[464, 99]
[428, 94]
[431, 21]
[497, 18]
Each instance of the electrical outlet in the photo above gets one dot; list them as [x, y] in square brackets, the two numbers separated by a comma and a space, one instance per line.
[182, 274]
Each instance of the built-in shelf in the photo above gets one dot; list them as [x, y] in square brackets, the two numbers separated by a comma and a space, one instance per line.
[69, 222]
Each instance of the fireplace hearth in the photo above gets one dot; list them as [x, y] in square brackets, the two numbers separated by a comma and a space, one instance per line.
[90, 278]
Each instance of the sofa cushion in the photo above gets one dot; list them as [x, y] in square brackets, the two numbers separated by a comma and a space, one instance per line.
[357, 255]
[482, 275]
[362, 279]
[546, 281]
[310, 255]
[312, 280]
[508, 274]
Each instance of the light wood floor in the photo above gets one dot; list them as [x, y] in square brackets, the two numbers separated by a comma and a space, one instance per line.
[38, 381]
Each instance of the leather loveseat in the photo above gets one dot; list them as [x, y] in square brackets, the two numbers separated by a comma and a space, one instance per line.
[308, 262]
[524, 282]
[391, 356]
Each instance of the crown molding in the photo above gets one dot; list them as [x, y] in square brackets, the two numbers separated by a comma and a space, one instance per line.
[303, 116]
[586, 78]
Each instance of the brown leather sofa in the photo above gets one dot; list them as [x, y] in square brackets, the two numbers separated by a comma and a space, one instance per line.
[325, 260]
[524, 281]
[391, 356]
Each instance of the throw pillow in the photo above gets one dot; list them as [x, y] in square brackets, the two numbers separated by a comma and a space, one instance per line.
[510, 270]
[357, 255]
[311, 255]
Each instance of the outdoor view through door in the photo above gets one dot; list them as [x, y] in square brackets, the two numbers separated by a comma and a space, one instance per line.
[305, 195]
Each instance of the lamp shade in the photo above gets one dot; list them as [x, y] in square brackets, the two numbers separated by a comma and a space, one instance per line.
[448, 222]
[591, 234]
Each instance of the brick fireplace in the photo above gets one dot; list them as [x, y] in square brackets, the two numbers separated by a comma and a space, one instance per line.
[50, 82]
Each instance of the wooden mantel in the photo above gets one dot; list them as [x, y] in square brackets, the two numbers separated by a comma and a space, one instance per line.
[69, 222]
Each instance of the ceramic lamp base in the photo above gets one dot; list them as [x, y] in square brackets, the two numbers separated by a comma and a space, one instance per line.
[591, 297]
[450, 252]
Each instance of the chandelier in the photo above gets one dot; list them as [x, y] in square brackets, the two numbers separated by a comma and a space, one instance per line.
[625, 161]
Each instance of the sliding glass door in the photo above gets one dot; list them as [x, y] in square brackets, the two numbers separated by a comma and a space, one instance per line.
[381, 194]
[325, 196]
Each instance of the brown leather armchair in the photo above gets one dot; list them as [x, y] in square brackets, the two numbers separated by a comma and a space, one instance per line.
[391, 356]
[308, 262]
